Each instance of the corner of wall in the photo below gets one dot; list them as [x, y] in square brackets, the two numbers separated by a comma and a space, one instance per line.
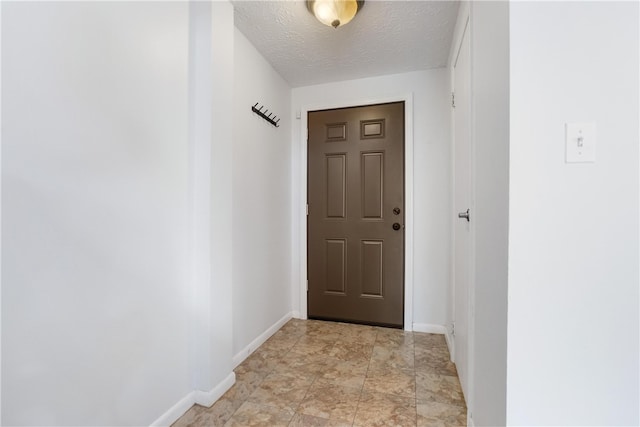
[429, 328]
[208, 398]
[203, 398]
[451, 345]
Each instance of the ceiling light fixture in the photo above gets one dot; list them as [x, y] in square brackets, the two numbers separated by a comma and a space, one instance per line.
[334, 13]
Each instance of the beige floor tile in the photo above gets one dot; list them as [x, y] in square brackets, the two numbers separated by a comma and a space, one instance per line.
[351, 351]
[431, 422]
[277, 345]
[220, 412]
[338, 423]
[199, 416]
[257, 363]
[251, 380]
[359, 334]
[245, 384]
[303, 420]
[400, 382]
[436, 350]
[295, 327]
[436, 361]
[439, 388]
[312, 346]
[332, 402]
[282, 390]
[343, 373]
[253, 414]
[378, 409]
[316, 373]
[190, 418]
[311, 365]
[444, 368]
[429, 340]
[323, 335]
[323, 330]
[394, 338]
[440, 414]
[393, 357]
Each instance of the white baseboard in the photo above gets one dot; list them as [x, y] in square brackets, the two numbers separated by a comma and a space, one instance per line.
[246, 352]
[470, 422]
[451, 345]
[297, 315]
[208, 398]
[437, 329]
[429, 328]
[204, 398]
[176, 411]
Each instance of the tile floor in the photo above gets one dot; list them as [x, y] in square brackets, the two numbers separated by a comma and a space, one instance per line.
[314, 373]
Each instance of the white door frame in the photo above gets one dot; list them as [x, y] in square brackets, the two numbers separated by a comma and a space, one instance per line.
[408, 196]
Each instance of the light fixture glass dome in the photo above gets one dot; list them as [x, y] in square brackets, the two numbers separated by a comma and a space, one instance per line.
[334, 13]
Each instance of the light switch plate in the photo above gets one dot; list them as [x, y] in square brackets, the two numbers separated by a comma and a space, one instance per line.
[580, 142]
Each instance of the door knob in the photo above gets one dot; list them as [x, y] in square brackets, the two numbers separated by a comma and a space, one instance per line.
[464, 215]
[396, 226]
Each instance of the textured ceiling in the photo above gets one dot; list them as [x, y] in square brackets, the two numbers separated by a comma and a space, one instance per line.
[385, 37]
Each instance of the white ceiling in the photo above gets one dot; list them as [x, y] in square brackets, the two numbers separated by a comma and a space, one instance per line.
[386, 37]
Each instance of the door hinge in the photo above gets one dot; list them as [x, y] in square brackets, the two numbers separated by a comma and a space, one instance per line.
[307, 209]
[307, 286]
[453, 100]
[453, 329]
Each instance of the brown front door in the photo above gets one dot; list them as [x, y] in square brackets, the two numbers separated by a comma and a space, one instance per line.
[356, 214]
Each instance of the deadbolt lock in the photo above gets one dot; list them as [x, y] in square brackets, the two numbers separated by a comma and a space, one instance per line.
[396, 211]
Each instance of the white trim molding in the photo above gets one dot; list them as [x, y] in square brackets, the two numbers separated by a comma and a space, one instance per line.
[430, 328]
[440, 330]
[203, 398]
[176, 411]
[408, 199]
[451, 344]
[208, 398]
[253, 345]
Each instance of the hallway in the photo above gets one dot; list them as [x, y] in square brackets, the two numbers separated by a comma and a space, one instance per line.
[316, 373]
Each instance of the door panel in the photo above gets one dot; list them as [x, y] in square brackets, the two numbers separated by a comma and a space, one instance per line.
[336, 186]
[372, 182]
[336, 266]
[356, 179]
[372, 268]
[462, 201]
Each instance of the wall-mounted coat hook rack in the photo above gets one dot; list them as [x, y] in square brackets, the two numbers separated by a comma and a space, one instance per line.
[271, 118]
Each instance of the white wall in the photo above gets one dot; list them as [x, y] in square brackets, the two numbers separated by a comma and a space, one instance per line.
[94, 180]
[210, 196]
[432, 180]
[489, 30]
[261, 197]
[220, 297]
[573, 256]
[0, 219]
